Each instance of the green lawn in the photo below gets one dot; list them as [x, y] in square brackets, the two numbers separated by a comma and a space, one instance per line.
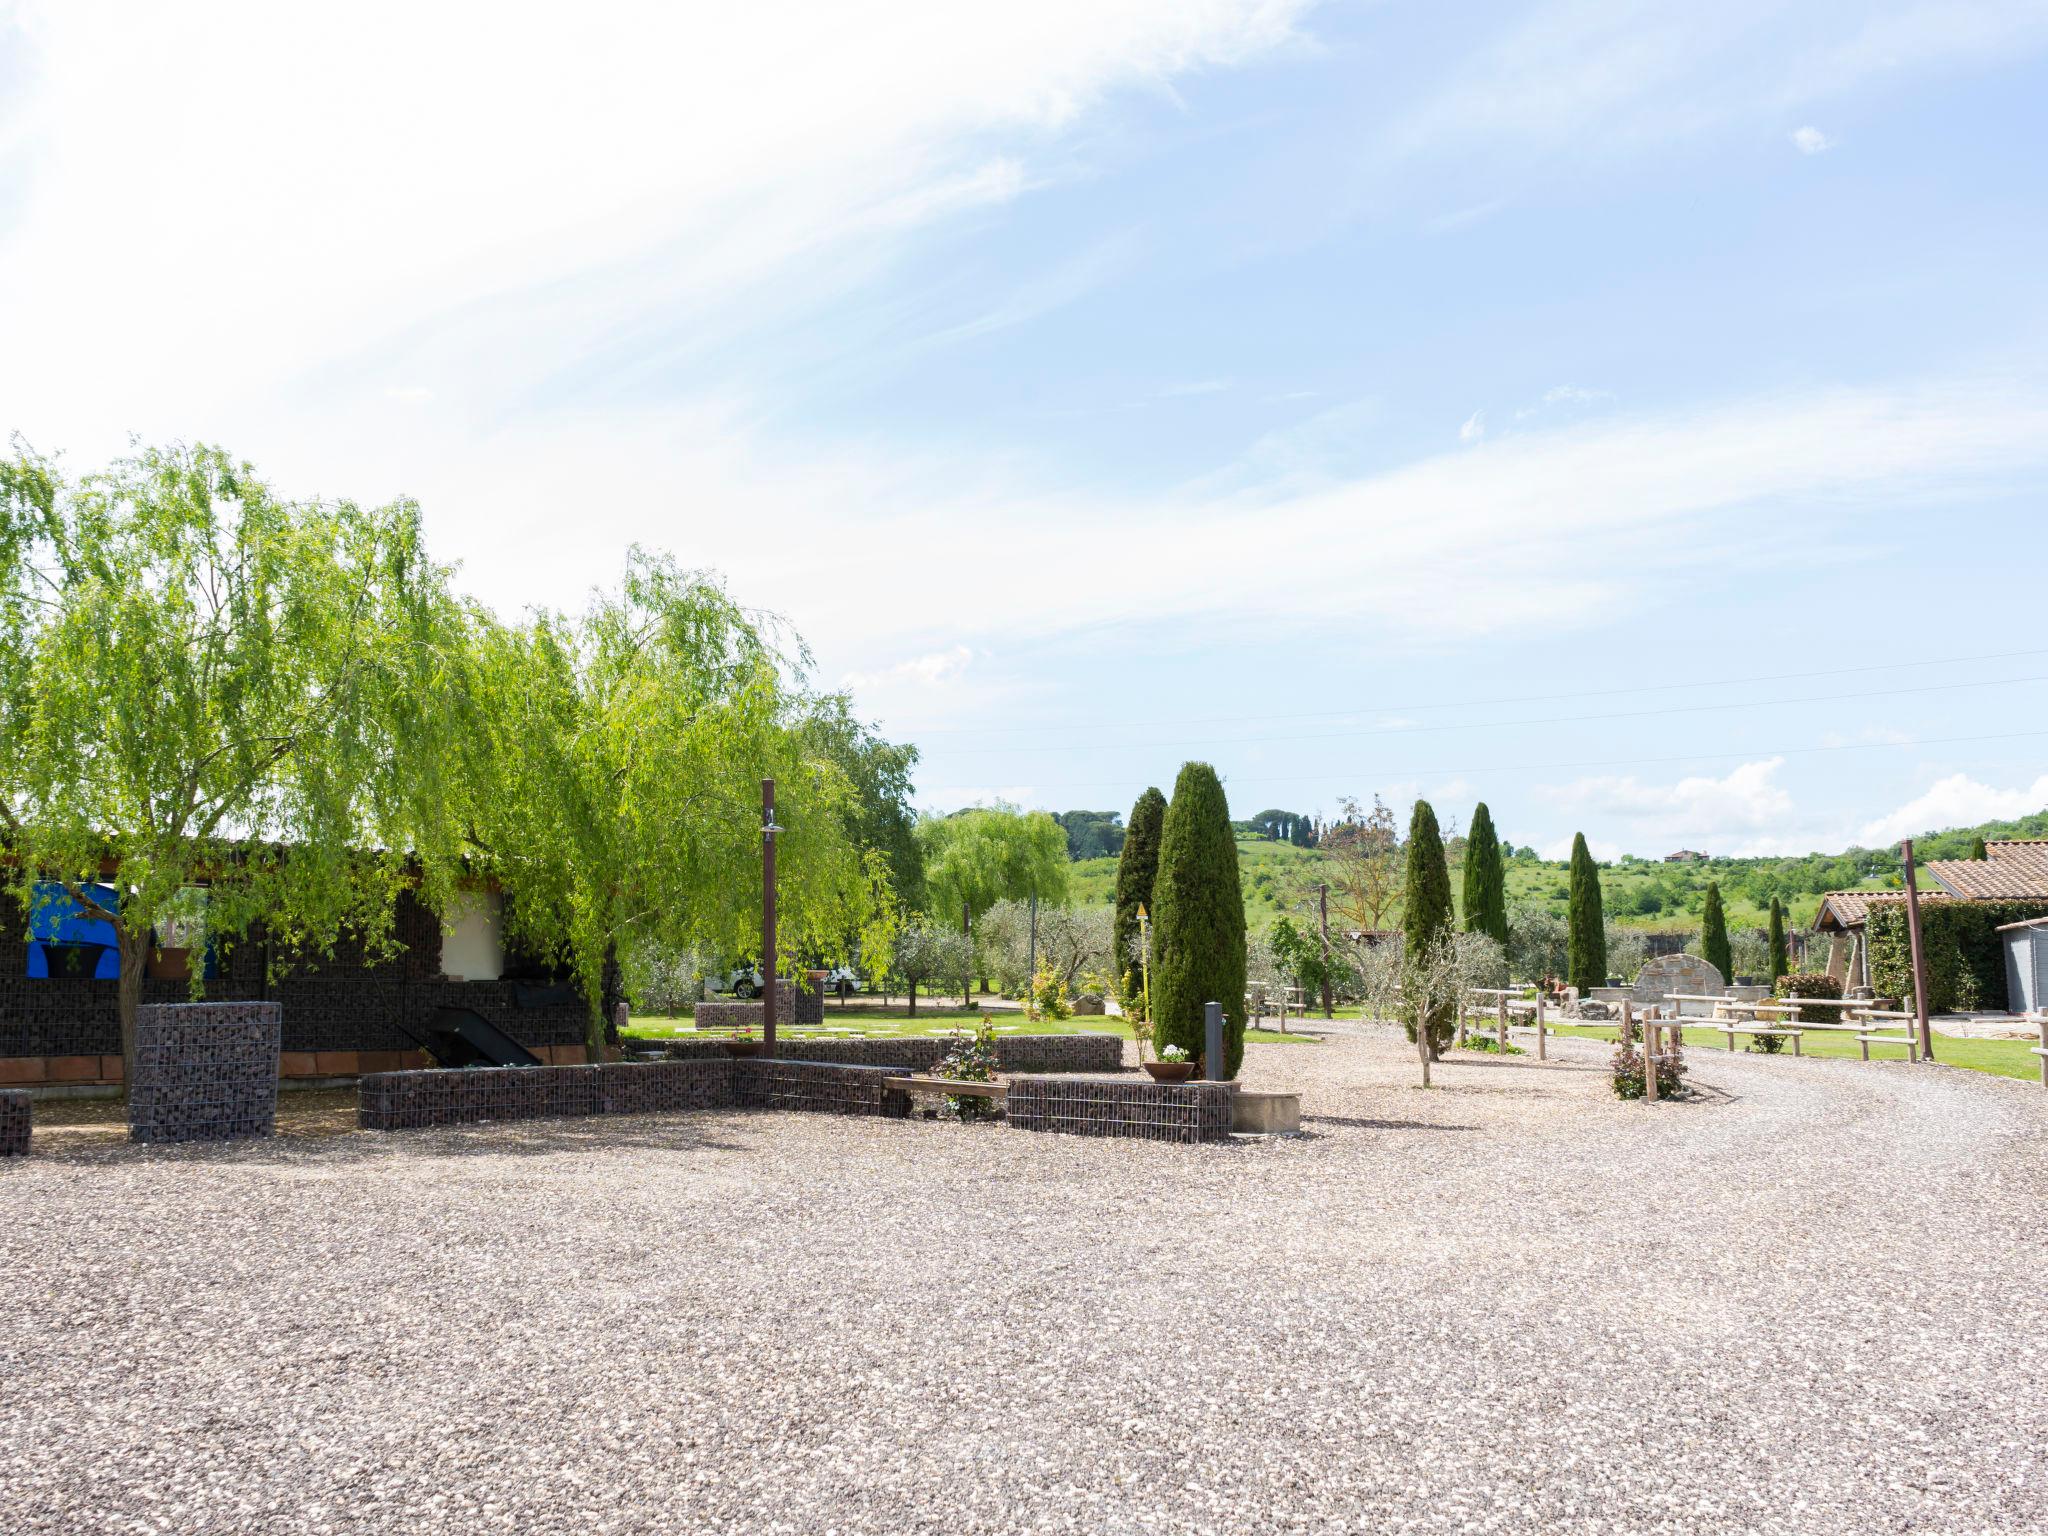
[2001, 1058]
[873, 1021]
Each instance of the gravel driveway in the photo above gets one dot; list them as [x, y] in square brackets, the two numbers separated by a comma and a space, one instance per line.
[1812, 1299]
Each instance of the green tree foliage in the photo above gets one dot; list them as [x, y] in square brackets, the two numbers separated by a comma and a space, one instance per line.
[1780, 964]
[1586, 946]
[977, 857]
[1977, 849]
[926, 952]
[879, 814]
[1486, 880]
[195, 672]
[1426, 920]
[1714, 946]
[611, 775]
[1136, 870]
[1198, 953]
[1092, 834]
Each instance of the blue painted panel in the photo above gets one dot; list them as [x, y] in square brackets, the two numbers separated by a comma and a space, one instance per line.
[54, 918]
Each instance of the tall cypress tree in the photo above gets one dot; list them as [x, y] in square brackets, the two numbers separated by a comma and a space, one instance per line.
[1198, 951]
[1977, 849]
[1586, 937]
[1486, 880]
[1136, 869]
[1779, 964]
[1426, 915]
[1714, 947]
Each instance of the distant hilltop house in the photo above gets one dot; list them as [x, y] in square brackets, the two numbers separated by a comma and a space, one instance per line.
[1685, 856]
[2009, 871]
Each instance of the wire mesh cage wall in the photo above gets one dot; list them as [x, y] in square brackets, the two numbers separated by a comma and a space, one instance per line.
[204, 1071]
[1142, 1110]
[16, 1116]
[820, 1087]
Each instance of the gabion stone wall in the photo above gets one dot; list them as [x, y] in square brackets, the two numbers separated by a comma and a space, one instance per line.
[204, 1071]
[1014, 1053]
[728, 1014]
[1138, 1108]
[394, 1101]
[15, 1119]
[759, 1083]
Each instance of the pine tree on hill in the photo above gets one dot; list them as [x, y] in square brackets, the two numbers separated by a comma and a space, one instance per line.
[1136, 869]
[1486, 880]
[1198, 935]
[1586, 934]
[1426, 915]
[1714, 946]
[1779, 963]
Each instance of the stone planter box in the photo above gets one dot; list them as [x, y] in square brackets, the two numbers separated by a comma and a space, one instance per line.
[393, 1101]
[16, 1117]
[1137, 1108]
[205, 1071]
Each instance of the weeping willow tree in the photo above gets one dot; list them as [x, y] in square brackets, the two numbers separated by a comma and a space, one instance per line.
[216, 700]
[611, 783]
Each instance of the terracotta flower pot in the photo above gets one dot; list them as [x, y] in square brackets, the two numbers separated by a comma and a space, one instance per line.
[1170, 1071]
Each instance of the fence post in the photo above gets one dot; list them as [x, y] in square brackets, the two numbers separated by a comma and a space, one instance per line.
[1500, 1022]
[1541, 1053]
[1649, 1059]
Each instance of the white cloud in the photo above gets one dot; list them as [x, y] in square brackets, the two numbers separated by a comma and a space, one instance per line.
[1743, 811]
[1956, 801]
[1474, 428]
[927, 671]
[1574, 394]
[1809, 140]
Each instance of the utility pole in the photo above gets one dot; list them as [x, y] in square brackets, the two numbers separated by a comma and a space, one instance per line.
[769, 962]
[1926, 1031]
[1324, 898]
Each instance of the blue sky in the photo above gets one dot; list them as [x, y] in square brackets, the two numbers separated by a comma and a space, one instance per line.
[1631, 415]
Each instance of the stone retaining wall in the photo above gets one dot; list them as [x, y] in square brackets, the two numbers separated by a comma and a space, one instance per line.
[1125, 1107]
[1014, 1053]
[204, 1071]
[16, 1116]
[392, 1101]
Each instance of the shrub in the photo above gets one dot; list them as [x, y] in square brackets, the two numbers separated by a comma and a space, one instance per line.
[1486, 901]
[1965, 956]
[971, 1059]
[1137, 870]
[1426, 929]
[1626, 1072]
[1714, 946]
[1198, 936]
[1048, 996]
[1796, 984]
[1586, 942]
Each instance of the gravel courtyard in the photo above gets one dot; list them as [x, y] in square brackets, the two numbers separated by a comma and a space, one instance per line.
[1812, 1299]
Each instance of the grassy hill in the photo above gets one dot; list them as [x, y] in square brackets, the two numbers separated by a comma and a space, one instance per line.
[1643, 893]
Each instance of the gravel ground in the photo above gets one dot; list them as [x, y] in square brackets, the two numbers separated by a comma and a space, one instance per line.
[1811, 1299]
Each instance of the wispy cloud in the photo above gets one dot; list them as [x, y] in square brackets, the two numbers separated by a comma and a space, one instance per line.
[1956, 801]
[1809, 140]
[1474, 428]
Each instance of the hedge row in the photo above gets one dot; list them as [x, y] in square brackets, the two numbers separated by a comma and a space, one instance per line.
[1965, 955]
[1808, 984]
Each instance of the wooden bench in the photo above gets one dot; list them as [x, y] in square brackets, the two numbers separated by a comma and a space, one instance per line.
[951, 1087]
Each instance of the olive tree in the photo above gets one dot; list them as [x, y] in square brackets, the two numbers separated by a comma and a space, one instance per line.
[203, 684]
[926, 952]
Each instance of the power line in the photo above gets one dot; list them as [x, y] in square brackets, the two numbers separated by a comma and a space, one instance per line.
[1590, 762]
[1497, 725]
[1524, 698]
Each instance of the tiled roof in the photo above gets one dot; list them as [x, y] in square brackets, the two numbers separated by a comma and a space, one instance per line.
[2009, 869]
[1848, 908]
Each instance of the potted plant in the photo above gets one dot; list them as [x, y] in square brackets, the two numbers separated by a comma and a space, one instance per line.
[1172, 1066]
[741, 1042]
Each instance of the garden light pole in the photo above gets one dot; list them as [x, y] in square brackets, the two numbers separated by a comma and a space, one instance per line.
[769, 963]
[1324, 899]
[1212, 1030]
[1922, 1027]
